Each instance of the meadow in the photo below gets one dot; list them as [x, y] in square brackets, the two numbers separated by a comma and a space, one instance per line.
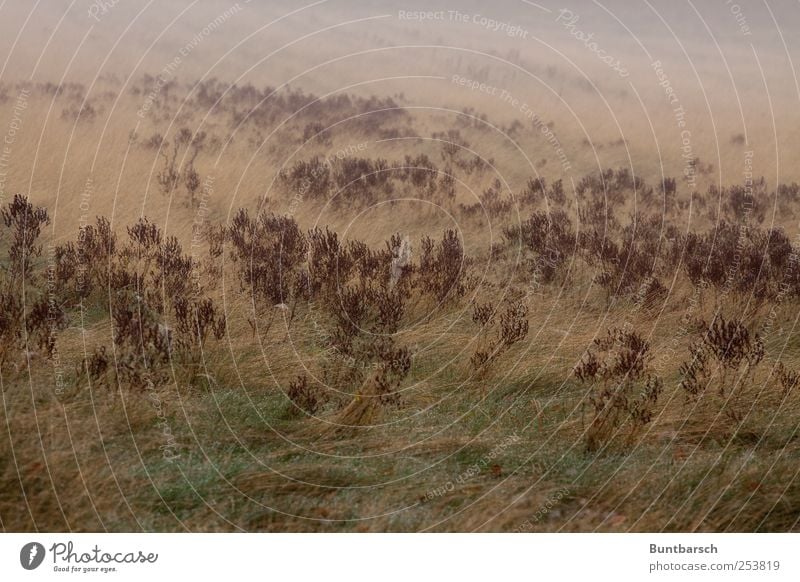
[467, 302]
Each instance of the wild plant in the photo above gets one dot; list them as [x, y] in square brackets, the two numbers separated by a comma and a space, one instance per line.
[623, 391]
[726, 349]
[24, 223]
[442, 267]
[719, 378]
[492, 341]
[306, 397]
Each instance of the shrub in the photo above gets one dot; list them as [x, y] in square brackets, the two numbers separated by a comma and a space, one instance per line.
[493, 342]
[728, 344]
[719, 380]
[442, 267]
[305, 397]
[549, 236]
[624, 392]
[269, 251]
[25, 221]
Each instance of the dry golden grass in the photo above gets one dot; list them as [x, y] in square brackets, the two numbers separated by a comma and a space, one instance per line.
[440, 459]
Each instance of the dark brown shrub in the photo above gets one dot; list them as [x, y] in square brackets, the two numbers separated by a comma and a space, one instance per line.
[305, 397]
[617, 407]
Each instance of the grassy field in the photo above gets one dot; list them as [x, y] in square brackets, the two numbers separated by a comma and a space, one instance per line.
[290, 295]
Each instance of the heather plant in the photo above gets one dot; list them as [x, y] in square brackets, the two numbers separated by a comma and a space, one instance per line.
[196, 321]
[141, 351]
[97, 245]
[743, 204]
[719, 382]
[363, 303]
[361, 181]
[551, 239]
[442, 267]
[630, 269]
[475, 165]
[624, 391]
[23, 222]
[452, 143]
[10, 325]
[788, 379]
[595, 184]
[312, 179]
[269, 251]
[306, 397]
[369, 264]
[534, 191]
[22, 330]
[726, 351]
[174, 170]
[492, 202]
[419, 171]
[32, 313]
[514, 324]
[555, 194]
[493, 339]
[391, 307]
[215, 236]
[599, 248]
[151, 284]
[329, 263]
[393, 364]
[66, 270]
[447, 186]
[170, 174]
[543, 231]
[483, 313]
[749, 261]
[317, 132]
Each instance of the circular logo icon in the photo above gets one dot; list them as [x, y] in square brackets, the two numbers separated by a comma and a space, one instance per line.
[31, 555]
